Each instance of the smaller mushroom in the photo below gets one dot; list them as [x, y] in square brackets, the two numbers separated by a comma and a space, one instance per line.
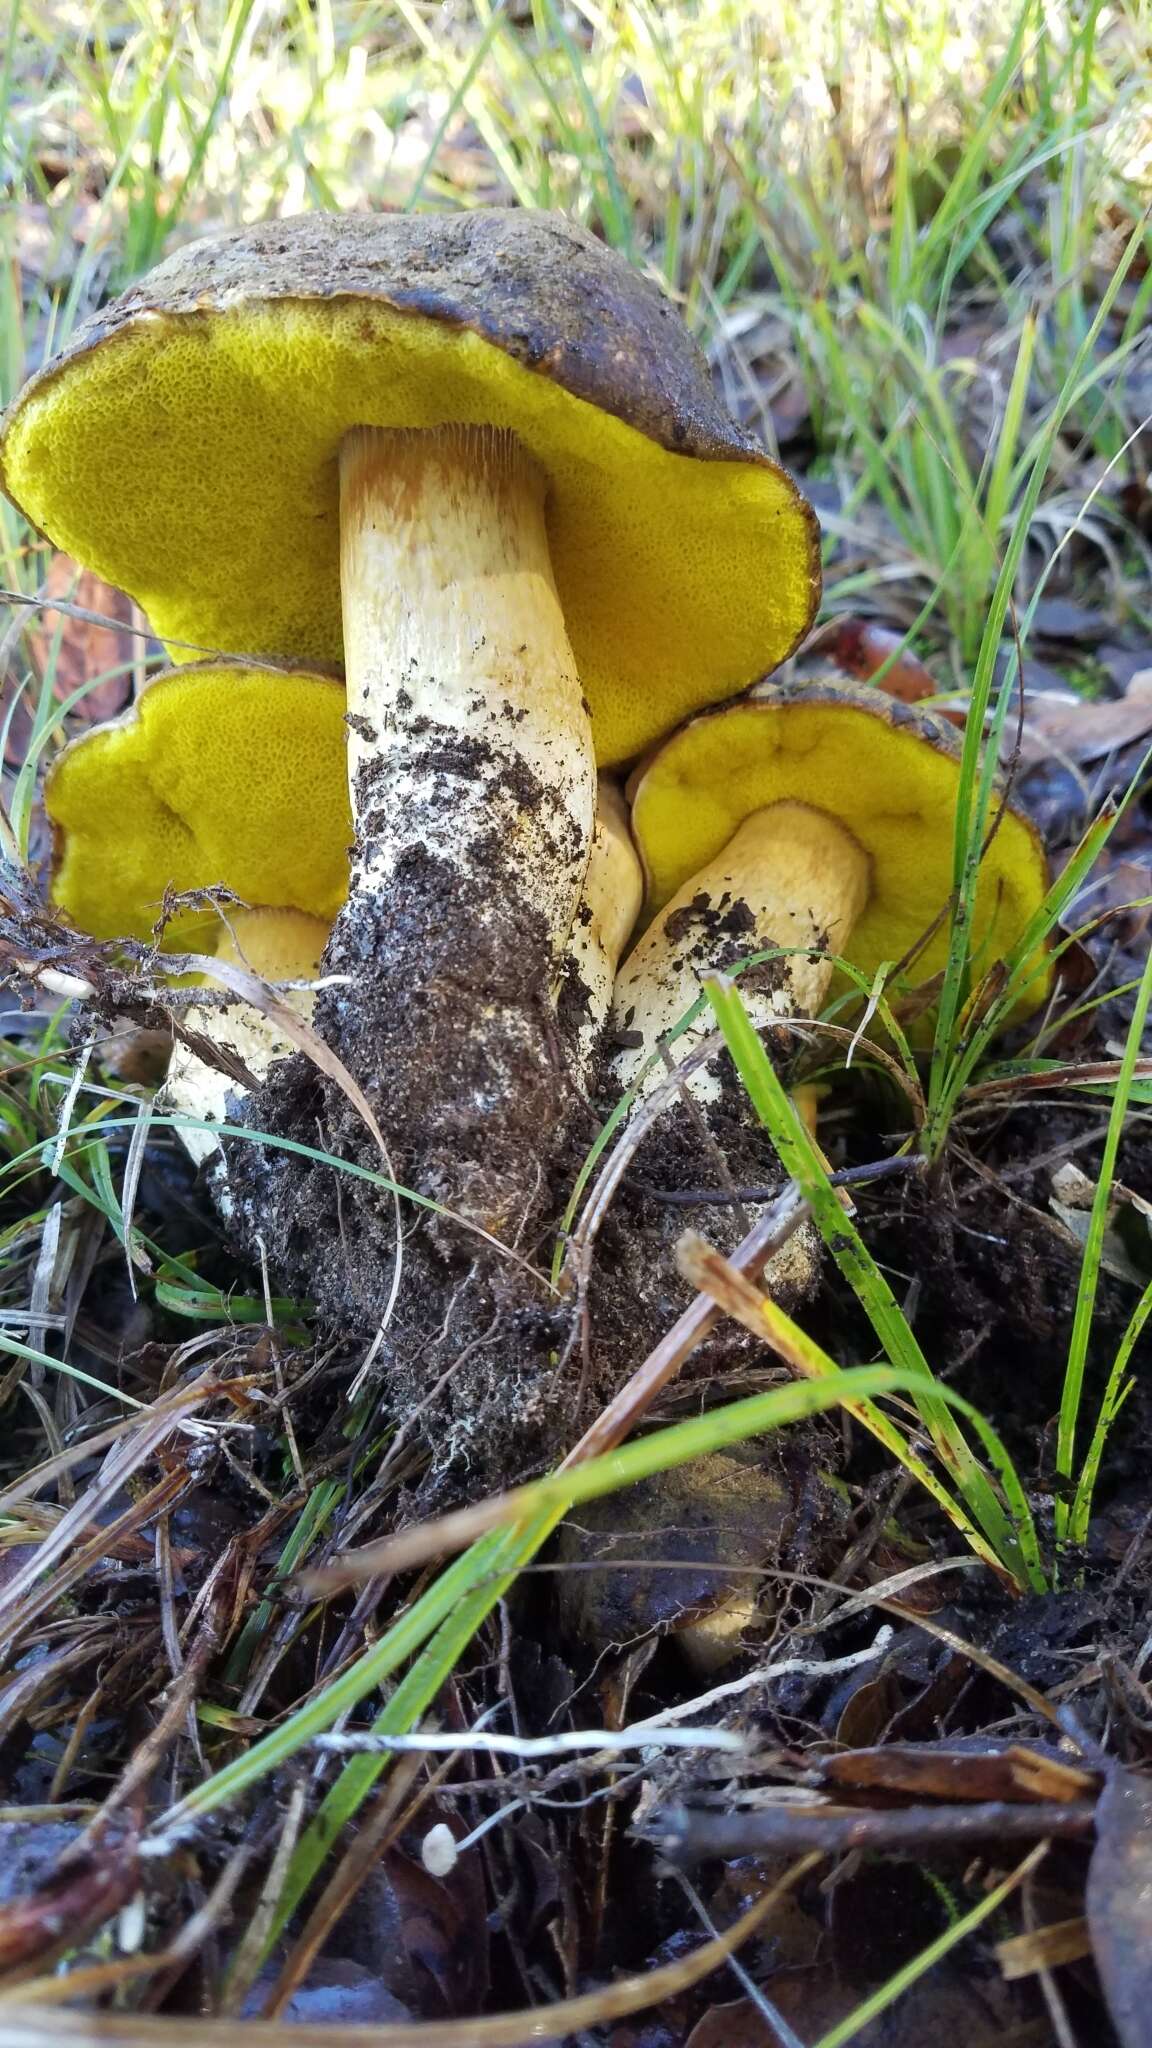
[220, 777]
[816, 818]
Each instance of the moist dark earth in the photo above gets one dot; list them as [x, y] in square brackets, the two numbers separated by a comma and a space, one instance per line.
[483, 1377]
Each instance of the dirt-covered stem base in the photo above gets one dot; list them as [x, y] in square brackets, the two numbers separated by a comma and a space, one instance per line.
[790, 877]
[473, 790]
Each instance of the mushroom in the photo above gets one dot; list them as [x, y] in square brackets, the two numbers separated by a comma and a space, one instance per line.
[220, 777]
[479, 456]
[814, 817]
[817, 817]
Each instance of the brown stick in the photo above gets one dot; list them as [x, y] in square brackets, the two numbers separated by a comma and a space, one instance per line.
[687, 1836]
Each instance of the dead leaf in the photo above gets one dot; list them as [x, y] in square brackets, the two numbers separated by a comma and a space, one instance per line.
[432, 1931]
[947, 2005]
[1044, 1948]
[1126, 1251]
[861, 648]
[931, 1770]
[1119, 1904]
[1061, 618]
[868, 1708]
[1067, 725]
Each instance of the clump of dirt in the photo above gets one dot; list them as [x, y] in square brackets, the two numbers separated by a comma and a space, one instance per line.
[505, 1370]
[446, 1019]
[714, 1150]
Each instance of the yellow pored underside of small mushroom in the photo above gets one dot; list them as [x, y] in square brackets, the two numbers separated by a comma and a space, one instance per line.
[277, 945]
[193, 461]
[218, 774]
[862, 758]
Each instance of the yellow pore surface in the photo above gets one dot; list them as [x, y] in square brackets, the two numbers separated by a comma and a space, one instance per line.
[278, 945]
[217, 775]
[893, 788]
[193, 460]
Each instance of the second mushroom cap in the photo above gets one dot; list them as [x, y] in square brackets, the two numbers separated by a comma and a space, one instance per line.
[812, 816]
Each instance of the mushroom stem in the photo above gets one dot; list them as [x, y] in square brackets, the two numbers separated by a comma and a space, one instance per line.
[277, 945]
[473, 789]
[790, 876]
[461, 679]
[605, 920]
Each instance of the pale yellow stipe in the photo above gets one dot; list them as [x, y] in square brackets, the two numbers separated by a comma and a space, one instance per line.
[889, 776]
[794, 878]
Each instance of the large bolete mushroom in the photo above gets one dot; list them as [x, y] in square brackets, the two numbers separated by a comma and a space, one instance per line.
[480, 457]
[816, 816]
[220, 777]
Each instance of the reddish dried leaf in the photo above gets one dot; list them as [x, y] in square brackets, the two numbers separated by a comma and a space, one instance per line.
[861, 648]
[85, 649]
[935, 1771]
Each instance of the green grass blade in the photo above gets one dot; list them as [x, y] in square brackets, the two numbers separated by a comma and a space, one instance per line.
[1115, 1393]
[1012, 1538]
[1073, 1387]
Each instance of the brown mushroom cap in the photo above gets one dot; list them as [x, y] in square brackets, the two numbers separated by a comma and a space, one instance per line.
[184, 444]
